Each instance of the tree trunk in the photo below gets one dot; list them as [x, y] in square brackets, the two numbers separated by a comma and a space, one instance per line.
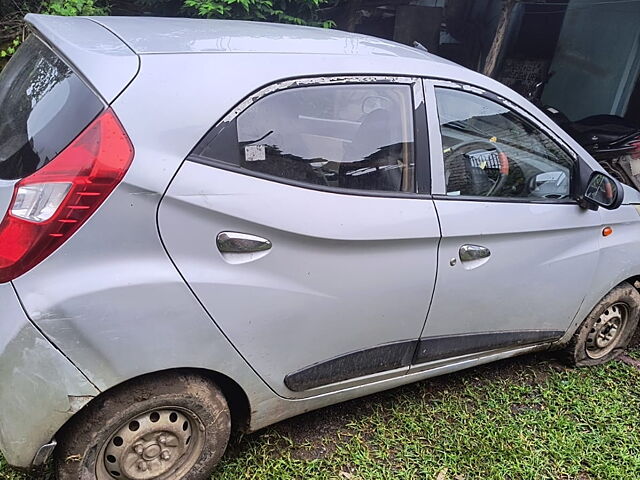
[491, 64]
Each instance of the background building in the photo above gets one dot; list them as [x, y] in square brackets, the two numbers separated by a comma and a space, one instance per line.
[591, 47]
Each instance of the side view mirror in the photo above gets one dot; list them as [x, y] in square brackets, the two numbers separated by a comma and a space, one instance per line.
[603, 191]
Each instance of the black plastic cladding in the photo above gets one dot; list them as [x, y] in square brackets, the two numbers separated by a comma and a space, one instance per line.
[403, 354]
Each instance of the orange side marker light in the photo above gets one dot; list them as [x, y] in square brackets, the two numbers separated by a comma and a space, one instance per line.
[606, 231]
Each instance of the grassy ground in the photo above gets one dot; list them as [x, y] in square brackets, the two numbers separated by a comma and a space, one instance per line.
[527, 418]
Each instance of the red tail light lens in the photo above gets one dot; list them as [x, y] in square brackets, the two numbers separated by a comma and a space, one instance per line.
[49, 206]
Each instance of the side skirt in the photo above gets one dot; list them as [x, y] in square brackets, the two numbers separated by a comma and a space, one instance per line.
[396, 356]
[447, 346]
[277, 409]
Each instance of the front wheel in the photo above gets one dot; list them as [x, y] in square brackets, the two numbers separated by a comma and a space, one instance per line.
[169, 427]
[608, 329]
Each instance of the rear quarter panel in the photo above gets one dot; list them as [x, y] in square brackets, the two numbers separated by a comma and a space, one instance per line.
[39, 388]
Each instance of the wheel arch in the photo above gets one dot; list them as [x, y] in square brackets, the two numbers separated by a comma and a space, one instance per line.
[237, 399]
[606, 332]
[589, 303]
[634, 281]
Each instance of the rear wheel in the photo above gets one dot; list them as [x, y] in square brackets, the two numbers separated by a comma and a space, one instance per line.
[170, 427]
[608, 329]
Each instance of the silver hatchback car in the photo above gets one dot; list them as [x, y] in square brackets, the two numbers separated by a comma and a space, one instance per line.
[212, 224]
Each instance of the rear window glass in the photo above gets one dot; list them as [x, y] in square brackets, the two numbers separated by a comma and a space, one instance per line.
[43, 108]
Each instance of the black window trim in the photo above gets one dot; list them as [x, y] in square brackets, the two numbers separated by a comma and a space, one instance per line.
[523, 200]
[422, 169]
[436, 84]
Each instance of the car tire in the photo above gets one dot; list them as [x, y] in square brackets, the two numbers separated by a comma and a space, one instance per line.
[607, 330]
[161, 427]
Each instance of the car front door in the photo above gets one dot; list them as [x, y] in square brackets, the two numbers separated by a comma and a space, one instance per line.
[298, 224]
[517, 254]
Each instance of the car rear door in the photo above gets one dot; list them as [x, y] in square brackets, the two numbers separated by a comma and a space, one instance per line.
[298, 226]
[517, 254]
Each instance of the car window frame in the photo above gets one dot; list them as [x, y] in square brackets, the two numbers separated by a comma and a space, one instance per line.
[421, 150]
[437, 155]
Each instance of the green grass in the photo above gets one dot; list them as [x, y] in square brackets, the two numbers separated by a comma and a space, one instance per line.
[527, 418]
[6, 473]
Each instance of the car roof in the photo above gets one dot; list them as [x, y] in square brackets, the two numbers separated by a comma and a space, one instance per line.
[95, 45]
[150, 35]
[89, 42]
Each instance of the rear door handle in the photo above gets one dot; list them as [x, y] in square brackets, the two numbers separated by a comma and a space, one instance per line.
[236, 242]
[469, 253]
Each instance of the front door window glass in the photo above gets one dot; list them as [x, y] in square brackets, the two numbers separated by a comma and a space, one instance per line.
[490, 151]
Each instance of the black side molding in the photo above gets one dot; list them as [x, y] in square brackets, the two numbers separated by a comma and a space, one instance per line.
[403, 354]
[352, 365]
[439, 348]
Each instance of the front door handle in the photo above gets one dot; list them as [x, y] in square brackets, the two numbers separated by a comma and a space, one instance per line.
[236, 242]
[469, 253]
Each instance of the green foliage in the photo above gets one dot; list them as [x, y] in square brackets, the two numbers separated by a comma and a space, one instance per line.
[70, 8]
[10, 49]
[51, 7]
[299, 12]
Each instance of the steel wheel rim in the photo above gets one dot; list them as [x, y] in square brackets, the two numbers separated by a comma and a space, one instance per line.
[160, 444]
[605, 333]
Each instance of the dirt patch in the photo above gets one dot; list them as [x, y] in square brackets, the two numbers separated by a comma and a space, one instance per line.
[532, 369]
[630, 361]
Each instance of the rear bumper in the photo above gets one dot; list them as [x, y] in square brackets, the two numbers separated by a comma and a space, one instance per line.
[39, 388]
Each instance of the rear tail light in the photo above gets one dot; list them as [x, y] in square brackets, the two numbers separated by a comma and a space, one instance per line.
[49, 206]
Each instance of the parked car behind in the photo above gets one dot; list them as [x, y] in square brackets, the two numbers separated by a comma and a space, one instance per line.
[210, 225]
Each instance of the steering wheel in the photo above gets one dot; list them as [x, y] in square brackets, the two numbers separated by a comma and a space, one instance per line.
[466, 147]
